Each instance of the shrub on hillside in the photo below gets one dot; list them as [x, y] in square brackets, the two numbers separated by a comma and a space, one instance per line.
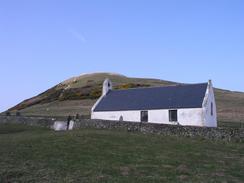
[95, 93]
[131, 85]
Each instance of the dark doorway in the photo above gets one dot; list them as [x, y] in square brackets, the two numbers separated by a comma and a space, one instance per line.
[121, 118]
[173, 117]
[144, 116]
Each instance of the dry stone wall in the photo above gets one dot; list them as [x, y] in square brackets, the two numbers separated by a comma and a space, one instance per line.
[224, 134]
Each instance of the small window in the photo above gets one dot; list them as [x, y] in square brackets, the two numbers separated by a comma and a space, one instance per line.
[144, 116]
[173, 115]
[211, 108]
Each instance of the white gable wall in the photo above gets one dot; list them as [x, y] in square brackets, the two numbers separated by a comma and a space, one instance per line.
[209, 120]
[107, 85]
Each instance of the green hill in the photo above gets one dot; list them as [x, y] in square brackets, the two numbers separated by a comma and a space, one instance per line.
[77, 95]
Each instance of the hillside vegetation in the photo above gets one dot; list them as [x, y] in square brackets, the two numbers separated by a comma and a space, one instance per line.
[89, 155]
[78, 94]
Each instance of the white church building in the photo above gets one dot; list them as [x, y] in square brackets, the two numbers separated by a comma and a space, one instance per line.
[183, 104]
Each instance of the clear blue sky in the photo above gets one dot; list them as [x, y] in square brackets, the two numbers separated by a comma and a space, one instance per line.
[43, 42]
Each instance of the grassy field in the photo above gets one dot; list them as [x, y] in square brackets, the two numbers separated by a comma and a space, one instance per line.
[29, 154]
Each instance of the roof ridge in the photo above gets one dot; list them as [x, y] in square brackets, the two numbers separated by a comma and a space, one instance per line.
[167, 86]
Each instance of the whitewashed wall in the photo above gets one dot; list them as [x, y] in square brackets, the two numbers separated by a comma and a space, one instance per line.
[190, 117]
[134, 116]
[209, 120]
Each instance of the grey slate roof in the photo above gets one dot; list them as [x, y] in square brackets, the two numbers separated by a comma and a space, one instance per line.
[170, 97]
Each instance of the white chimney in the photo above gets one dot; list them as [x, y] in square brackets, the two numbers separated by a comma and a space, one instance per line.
[210, 83]
[107, 85]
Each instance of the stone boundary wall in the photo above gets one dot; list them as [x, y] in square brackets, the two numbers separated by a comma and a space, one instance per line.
[223, 134]
[32, 121]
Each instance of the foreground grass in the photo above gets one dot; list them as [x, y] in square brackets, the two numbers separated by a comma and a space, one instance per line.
[89, 155]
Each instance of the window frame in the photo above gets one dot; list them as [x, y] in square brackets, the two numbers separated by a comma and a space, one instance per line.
[171, 117]
[144, 116]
